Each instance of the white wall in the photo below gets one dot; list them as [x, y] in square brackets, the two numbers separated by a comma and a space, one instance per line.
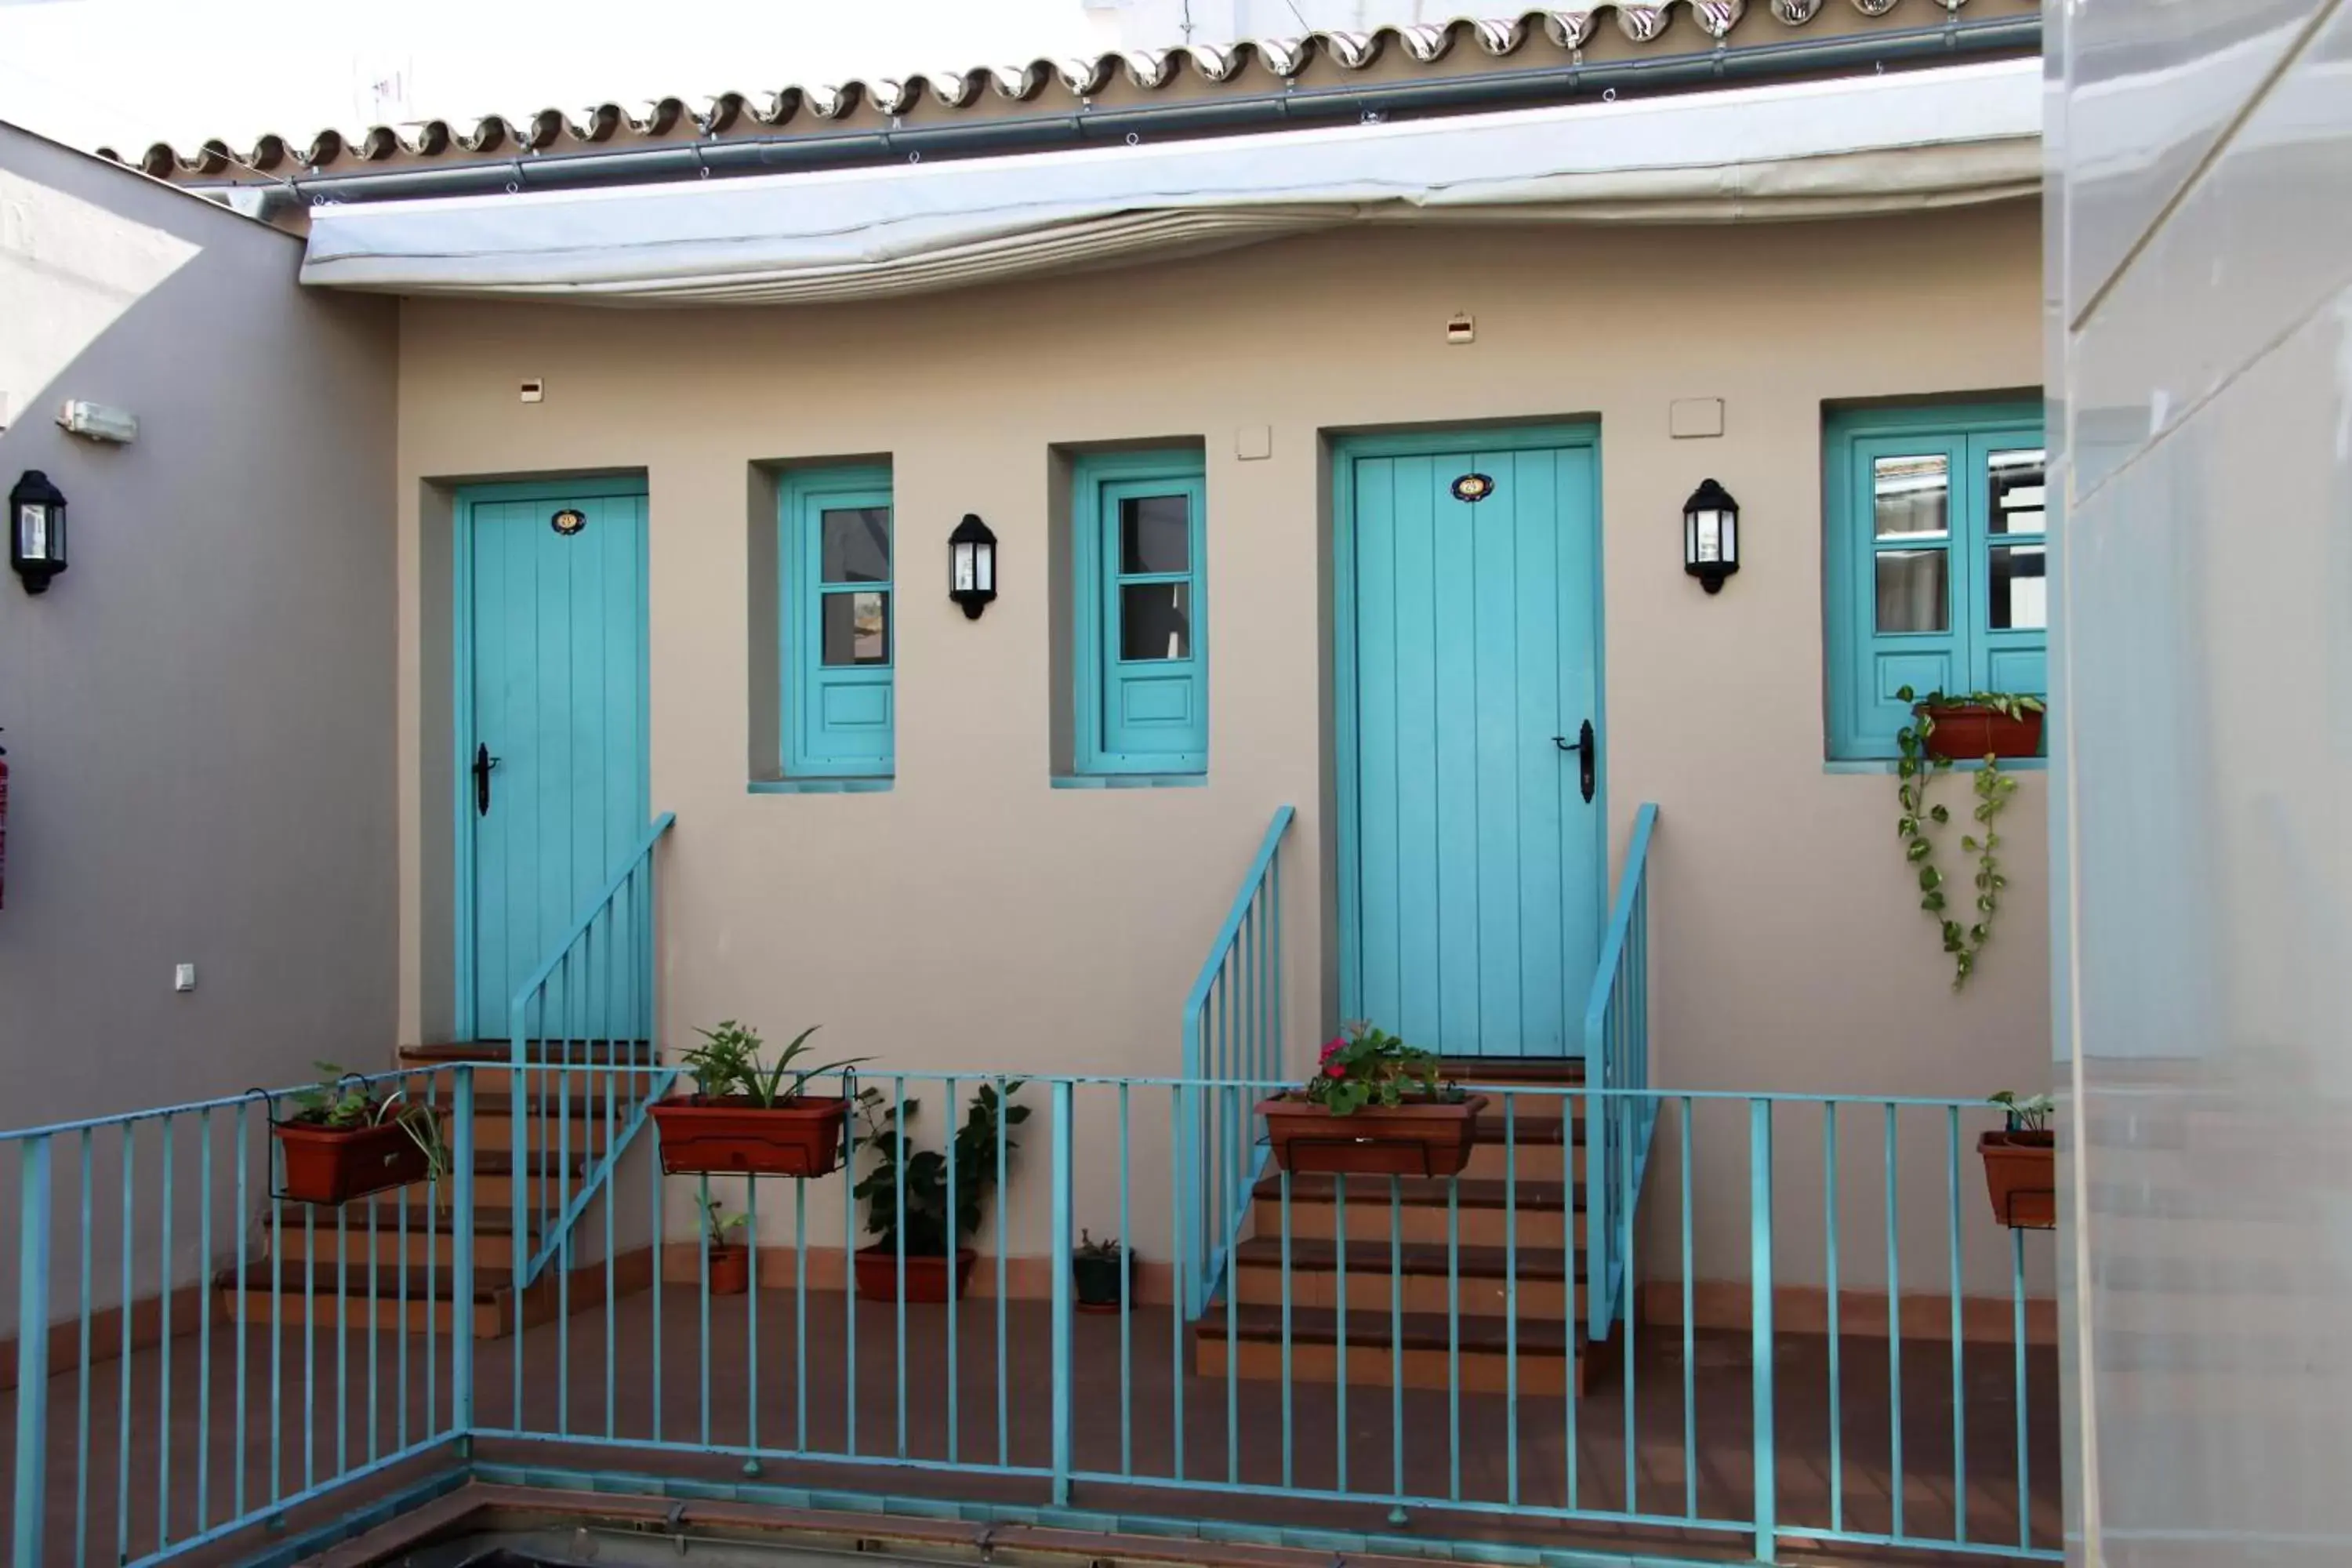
[2201, 342]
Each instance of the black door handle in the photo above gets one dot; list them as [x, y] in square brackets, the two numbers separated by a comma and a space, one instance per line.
[1584, 747]
[484, 763]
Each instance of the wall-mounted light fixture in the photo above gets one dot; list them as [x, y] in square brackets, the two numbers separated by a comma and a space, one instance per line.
[37, 531]
[1710, 535]
[971, 565]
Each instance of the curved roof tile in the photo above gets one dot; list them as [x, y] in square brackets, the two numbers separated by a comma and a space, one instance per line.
[1422, 45]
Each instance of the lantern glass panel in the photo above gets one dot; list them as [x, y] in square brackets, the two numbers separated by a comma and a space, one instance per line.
[1707, 537]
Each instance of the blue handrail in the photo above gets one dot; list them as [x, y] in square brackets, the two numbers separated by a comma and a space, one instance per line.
[1232, 1029]
[1617, 1058]
[582, 992]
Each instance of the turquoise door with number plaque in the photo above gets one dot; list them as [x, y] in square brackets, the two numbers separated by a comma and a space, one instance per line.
[1471, 859]
[553, 788]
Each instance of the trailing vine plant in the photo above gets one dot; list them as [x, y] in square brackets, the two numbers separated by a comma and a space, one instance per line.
[1915, 767]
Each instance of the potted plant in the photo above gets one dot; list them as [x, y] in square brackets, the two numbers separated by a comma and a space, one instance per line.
[727, 1267]
[2021, 1164]
[1990, 725]
[1375, 1107]
[748, 1116]
[1100, 1270]
[910, 1183]
[348, 1138]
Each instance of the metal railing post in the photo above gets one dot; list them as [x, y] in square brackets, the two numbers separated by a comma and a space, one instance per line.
[1760, 1289]
[1058, 1253]
[461, 1243]
[32, 1356]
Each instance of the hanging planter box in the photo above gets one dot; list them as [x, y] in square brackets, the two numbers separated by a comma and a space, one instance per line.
[332, 1166]
[730, 1271]
[928, 1276]
[2021, 1175]
[737, 1136]
[1427, 1140]
[1969, 732]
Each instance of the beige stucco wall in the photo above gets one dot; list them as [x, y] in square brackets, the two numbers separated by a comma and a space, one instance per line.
[972, 917]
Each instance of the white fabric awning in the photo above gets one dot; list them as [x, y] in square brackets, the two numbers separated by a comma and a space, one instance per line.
[1823, 148]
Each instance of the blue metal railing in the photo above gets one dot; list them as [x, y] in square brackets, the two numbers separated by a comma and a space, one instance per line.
[1876, 1432]
[591, 998]
[334, 1339]
[1617, 1057]
[1232, 1029]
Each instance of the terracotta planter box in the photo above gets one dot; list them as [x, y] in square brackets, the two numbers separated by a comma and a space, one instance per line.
[730, 1271]
[928, 1279]
[2022, 1175]
[738, 1137]
[1969, 732]
[333, 1165]
[1099, 1281]
[1407, 1140]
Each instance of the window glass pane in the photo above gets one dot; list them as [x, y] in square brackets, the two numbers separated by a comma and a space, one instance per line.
[1913, 592]
[2019, 592]
[1910, 495]
[856, 629]
[856, 544]
[1155, 621]
[1155, 534]
[2014, 489]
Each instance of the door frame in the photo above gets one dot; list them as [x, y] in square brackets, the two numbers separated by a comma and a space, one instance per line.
[465, 1025]
[1345, 451]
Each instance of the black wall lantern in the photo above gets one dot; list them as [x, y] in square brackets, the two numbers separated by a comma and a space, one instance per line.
[37, 531]
[971, 565]
[1710, 535]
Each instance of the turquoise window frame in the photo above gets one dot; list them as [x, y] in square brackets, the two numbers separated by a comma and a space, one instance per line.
[814, 747]
[1864, 665]
[1104, 745]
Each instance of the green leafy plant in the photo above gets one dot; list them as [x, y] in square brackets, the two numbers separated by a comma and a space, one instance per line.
[1917, 767]
[345, 1102]
[726, 1066]
[1107, 1250]
[923, 1173]
[2030, 1114]
[716, 1222]
[1366, 1066]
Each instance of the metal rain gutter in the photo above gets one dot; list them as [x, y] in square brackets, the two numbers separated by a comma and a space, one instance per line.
[1912, 47]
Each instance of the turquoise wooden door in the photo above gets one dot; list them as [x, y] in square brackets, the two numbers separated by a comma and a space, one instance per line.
[1476, 866]
[553, 786]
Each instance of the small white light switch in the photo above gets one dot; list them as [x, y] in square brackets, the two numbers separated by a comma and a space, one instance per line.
[183, 978]
[534, 390]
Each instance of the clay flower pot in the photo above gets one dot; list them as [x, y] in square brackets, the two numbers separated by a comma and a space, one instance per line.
[737, 1136]
[1432, 1139]
[335, 1164]
[1968, 731]
[730, 1270]
[2021, 1175]
[928, 1276]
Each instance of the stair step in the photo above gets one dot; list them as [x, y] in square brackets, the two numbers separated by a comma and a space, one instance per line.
[326, 1297]
[550, 1053]
[1420, 1350]
[1421, 1192]
[1481, 1284]
[1547, 1264]
[325, 1278]
[424, 1244]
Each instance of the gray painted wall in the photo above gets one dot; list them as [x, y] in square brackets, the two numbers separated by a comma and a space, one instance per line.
[198, 714]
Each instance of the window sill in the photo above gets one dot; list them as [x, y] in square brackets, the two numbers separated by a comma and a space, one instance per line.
[820, 787]
[1886, 766]
[1131, 781]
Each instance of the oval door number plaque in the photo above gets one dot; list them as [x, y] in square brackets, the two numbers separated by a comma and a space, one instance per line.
[567, 522]
[1473, 488]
